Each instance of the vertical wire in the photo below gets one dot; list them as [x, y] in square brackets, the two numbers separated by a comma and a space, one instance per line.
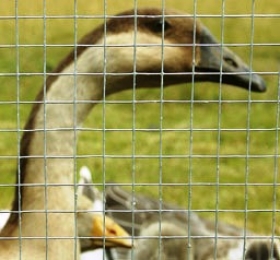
[17, 44]
[133, 134]
[104, 114]
[75, 141]
[191, 125]
[161, 126]
[217, 203]
[247, 167]
[275, 175]
[45, 122]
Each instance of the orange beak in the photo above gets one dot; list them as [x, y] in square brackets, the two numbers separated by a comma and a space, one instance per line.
[107, 233]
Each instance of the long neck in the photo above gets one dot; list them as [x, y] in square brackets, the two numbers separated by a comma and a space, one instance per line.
[47, 157]
[64, 107]
[53, 143]
[49, 143]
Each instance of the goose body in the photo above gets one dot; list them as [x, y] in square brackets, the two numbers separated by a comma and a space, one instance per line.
[163, 240]
[155, 224]
[42, 224]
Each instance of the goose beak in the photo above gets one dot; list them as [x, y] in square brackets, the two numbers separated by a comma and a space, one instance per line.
[234, 70]
[110, 233]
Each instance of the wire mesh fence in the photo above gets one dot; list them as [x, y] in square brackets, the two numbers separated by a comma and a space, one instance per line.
[153, 119]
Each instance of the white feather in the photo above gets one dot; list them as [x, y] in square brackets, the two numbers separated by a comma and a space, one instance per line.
[97, 205]
[4, 216]
[86, 174]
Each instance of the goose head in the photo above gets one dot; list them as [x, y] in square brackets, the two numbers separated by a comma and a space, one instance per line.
[95, 229]
[150, 48]
[99, 231]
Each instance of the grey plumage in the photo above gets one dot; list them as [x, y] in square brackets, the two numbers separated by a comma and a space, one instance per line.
[138, 213]
[163, 240]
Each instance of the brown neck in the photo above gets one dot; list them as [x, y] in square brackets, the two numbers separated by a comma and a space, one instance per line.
[47, 167]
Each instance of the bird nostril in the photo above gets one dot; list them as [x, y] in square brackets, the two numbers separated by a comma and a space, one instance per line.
[230, 62]
[112, 232]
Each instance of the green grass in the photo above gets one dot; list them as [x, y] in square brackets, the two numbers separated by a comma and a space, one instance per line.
[200, 164]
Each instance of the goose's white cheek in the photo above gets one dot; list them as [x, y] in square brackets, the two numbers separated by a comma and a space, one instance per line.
[178, 59]
[144, 52]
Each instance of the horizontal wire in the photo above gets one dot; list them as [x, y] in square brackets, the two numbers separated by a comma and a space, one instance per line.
[143, 156]
[52, 45]
[101, 17]
[13, 74]
[143, 184]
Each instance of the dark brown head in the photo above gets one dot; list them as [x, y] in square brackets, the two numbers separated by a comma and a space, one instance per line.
[144, 45]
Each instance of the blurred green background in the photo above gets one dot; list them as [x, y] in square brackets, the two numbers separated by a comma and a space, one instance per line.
[217, 163]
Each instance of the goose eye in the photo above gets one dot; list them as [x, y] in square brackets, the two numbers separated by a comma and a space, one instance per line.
[160, 25]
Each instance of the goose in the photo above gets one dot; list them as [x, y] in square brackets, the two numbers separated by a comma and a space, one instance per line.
[168, 238]
[42, 225]
[154, 222]
[166, 230]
